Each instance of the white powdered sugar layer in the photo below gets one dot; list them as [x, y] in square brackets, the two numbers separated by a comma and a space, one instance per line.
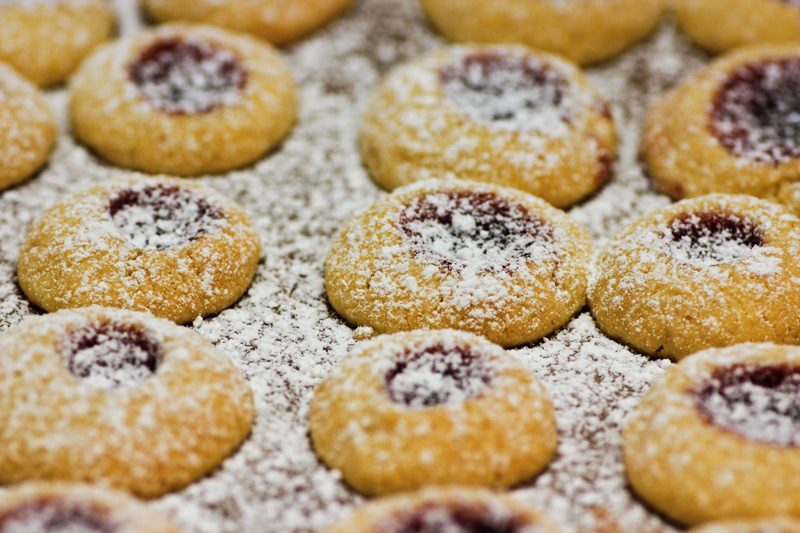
[456, 517]
[711, 239]
[54, 517]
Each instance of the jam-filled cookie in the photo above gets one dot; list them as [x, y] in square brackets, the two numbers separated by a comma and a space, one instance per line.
[732, 128]
[276, 21]
[754, 525]
[76, 508]
[719, 436]
[183, 100]
[455, 254]
[706, 272]
[27, 128]
[117, 398]
[501, 114]
[720, 25]
[584, 31]
[446, 510]
[176, 249]
[424, 408]
[47, 40]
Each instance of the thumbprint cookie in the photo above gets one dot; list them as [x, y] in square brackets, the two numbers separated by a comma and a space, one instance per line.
[176, 249]
[706, 272]
[754, 525]
[27, 128]
[76, 508]
[183, 100]
[734, 127]
[718, 436]
[506, 115]
[116, 398]
[455, 254]
[446, 510]
[719, 25]
[276, 21]
[47, 40]
[440, 407]
[584, 31]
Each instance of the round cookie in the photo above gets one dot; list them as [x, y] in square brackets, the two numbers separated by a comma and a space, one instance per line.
[720, 25]
[116, 398]
[276, 21]
[706, 272]
[76, 508]
[451, 509]
[47, 40]
[764, 525]
[455, 254]
[731, 128]
[441, 407]
[584, 31]
[183, 100]
[27, 128]
[176, 249]
[506, 115]
[717, 437]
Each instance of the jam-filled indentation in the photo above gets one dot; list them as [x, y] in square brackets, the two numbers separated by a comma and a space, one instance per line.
[456, 517]
[758, 402]
[476, 231]
[756, 111]
[710, 238]
[188, 76]
[159, 217]
[52, 515]
[509, 91]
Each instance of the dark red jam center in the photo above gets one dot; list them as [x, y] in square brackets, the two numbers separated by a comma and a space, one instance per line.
[56, 516]
[713, 238]
[159, 217]
[756, 112]
[761, 403]
[183, 76]
[112, 355]
[476, 231]
[512, 91]
[455, 517]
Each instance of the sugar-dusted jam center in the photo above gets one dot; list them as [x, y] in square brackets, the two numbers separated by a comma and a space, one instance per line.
[111, 355]
[159, 217]
[761, 403]
[456, 517]
[709, 238]
[509, 91]
[188, 76]
[52, 515]
[474, 230]
[756, 112]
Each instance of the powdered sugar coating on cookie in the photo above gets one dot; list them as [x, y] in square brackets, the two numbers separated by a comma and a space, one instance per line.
[55, 516]
[456, 517]
[708, 238]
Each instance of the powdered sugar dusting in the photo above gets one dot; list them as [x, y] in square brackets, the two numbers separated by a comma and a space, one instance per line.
[708, 239]
[456, 517]
[53, 516]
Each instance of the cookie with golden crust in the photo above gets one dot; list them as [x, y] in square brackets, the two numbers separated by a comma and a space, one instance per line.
[27, 128]
[720, 25]
[117, 398]
[46, 40]
[584, 31]
[176, 249]
[183, 100]
[731, 128]
[505, 115]
[756, 525]
[456, 254]
[448, 509]
[276, 21]
[424, 408]
[717, 437]
[706, 272]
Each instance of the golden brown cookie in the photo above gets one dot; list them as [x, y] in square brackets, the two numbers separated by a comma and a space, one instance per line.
[117, 398]
[710, 271]
[424, 408]
[451, 509]
[455, 254]
[717, 437]
[506, 115]
[584, 31]
[734, 127]
[27, 128]
[183, 100]
[757, 525]
[719, 25]
[176, 249]
[47, 40]
[276, 21]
